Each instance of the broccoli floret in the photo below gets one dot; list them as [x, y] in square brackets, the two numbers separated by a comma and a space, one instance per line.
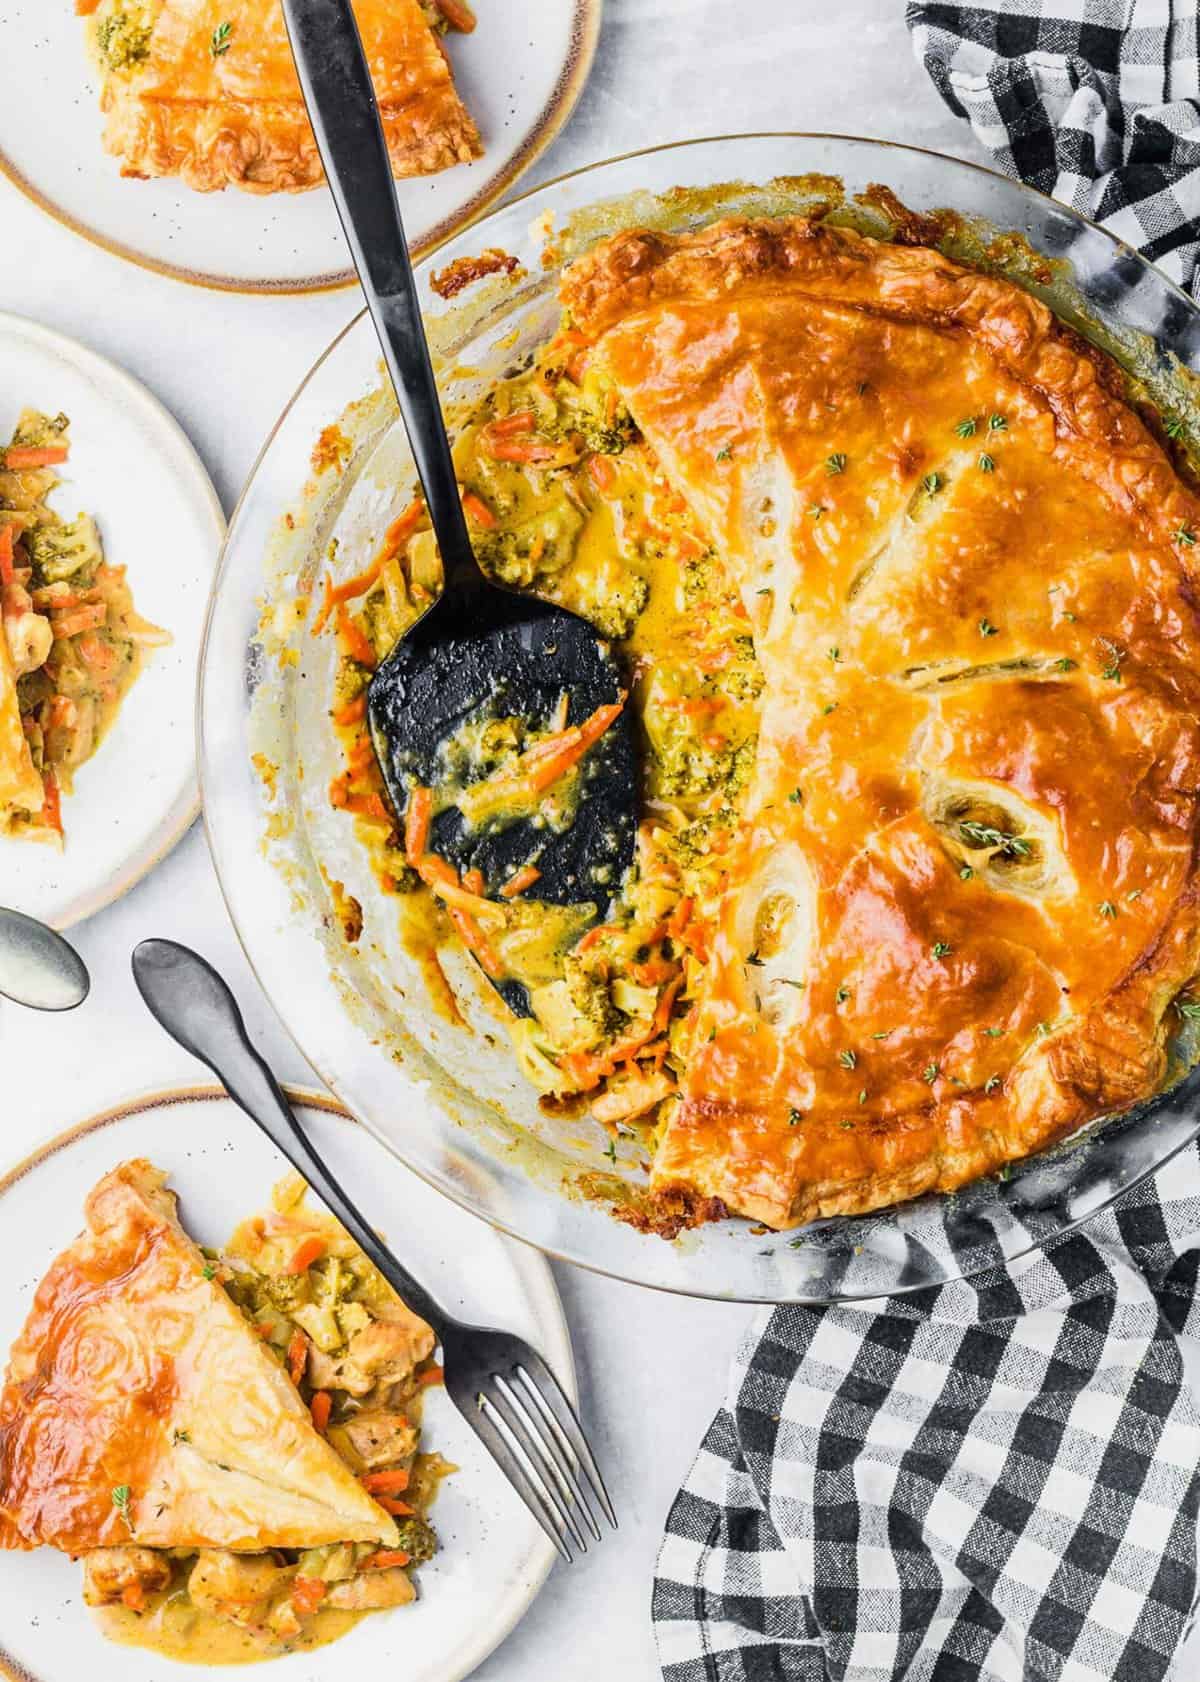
[35, 430]
[59, 550]
[285, 1291]
[418, 1539]
[531, 549]
[122, 41]
[590, 994]
[616, 616]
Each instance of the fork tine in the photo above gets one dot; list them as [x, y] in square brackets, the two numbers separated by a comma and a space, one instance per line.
[493, 1440]
[540, 1379]
[554, 1439]
[531, 1438]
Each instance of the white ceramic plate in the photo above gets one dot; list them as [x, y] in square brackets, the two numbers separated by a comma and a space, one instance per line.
[494, 1558]
[133, 468]
[519, 75]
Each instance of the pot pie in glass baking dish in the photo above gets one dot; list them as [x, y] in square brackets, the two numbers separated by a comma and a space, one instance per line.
[206, 90]
[72, 644]
[904, 583]
[230, 1441]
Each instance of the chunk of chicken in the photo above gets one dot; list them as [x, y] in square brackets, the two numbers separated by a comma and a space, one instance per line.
[382, 1353]
[110, 1573]
[371, 1591]
[239, 1587]
[29, 639]
[378, 1437]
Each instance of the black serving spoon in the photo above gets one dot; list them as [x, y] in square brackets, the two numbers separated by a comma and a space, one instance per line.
[39, 968]
[480, 651]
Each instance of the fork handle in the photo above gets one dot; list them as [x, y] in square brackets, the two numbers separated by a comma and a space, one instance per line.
[195, 1006]
[344, 114]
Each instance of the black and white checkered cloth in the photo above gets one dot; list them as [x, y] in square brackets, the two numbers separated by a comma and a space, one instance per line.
[1097, 102]
[997, 1480]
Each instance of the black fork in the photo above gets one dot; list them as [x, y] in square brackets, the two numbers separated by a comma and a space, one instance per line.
[502, 1387]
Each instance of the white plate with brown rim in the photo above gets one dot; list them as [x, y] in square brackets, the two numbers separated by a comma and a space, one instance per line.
[493, 1557]
[133, 469]
[519, 73]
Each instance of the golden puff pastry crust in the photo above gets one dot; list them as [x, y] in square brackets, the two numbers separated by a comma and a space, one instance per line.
[140, 1406]
[20, 785]
[216, 101]
[965, 892]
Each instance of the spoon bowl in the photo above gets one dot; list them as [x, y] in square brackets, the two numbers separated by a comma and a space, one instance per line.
[38, 968]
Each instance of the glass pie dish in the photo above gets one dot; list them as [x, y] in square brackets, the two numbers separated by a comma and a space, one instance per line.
[447, 1097]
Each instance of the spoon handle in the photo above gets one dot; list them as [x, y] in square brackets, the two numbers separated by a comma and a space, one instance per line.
[192, 1002]
[345, 117]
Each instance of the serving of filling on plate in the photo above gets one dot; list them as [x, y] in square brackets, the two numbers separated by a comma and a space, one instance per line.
[73, 643]
[230, 1441]
[206, 90]
[904, 580]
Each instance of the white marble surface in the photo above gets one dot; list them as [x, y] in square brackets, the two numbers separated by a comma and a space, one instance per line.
[652, 1367]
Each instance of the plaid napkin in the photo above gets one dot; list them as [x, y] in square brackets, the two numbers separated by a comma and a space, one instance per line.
[1097, 102]
[996, 1480]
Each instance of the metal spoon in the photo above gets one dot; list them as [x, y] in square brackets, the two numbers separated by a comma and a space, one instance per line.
[480, 650]
[39, 968]
[500, 1384]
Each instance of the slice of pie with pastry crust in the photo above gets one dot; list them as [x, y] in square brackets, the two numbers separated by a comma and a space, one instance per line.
[206, 90]
[141, 1408]
[965, 892]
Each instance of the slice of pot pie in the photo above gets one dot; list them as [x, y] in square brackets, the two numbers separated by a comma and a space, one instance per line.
[153, 1422]
[962, 898]
[72, 643]
[206, 90]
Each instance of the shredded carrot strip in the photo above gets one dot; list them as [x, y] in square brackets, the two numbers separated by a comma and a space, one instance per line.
[520, 880]
[353, 712]
[385, 1483]
[99, 656]
[523, 420]
[443, 879]
[297, 1356]
[593, 935]
[51, 803]
[385, 1559]
[6, 555]
[602, 472]
[305, 1254]
[347, 591]
[353, 639]
[18, 456]
[572, 745]
[473, 882]
[475, 941]
[417, 816]
[402, 528]
[514, 449]
[477, 509]
[681, 916]
[307, 1595]
[133, 1595]
[432, 1375]
[391, 1504]
[320, 1407]
[74, 620]
[264, 1329]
